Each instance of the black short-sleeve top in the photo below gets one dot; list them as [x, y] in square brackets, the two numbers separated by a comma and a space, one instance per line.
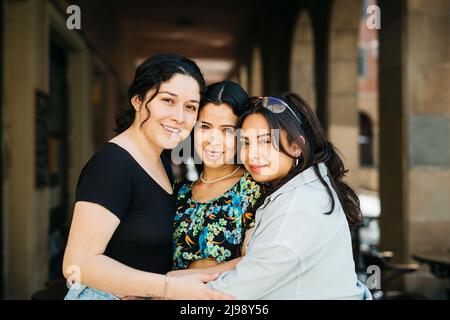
[113, 179]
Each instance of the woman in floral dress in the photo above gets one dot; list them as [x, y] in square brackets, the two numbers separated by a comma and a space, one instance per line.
[215, 213]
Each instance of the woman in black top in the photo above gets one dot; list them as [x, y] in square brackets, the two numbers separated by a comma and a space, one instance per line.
[120, 238]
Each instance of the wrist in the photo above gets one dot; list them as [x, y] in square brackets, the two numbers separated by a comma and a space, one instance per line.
[167, 279]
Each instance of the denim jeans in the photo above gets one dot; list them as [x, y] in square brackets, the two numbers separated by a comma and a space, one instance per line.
[81, 292]
[366, 295]
[85, 293]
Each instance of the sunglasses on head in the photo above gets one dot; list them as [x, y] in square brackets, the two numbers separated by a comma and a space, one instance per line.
[272, 104]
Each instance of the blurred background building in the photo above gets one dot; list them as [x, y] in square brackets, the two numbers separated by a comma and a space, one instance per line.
[382, 95]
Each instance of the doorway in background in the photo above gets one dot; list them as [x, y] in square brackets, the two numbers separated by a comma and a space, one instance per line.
[2, 261]
[58, 156]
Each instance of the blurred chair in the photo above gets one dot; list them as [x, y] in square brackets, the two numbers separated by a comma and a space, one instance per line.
[390, 271]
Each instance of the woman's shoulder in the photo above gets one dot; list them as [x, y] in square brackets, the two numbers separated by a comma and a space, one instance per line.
[249, 185]
[181, 187]
[247, 181]
[105, 180]
[252, 191]
[110, 158]
[111, 153]
[308, 202]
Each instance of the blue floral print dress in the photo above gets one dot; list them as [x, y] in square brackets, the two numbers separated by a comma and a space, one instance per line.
[216, 228]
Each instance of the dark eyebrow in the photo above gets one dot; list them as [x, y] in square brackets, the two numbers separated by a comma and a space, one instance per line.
[261, 135]
[223, 126]
[243, 137]
[175, 95]
[172, 94]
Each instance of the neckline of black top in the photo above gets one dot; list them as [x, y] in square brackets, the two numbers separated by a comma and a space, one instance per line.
[142, 169]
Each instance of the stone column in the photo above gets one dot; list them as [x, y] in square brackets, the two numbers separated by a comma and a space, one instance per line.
[414, 126]
[343, 83]
[427, 91]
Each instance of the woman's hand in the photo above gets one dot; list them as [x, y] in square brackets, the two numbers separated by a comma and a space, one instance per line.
[193, 287]
[132, 298]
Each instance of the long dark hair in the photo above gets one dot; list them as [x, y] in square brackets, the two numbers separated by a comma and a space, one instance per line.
[315, 148]
[150, 75]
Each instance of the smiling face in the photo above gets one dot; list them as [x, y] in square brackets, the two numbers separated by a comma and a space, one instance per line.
[264, 162]
[173, 111]
[214, 135]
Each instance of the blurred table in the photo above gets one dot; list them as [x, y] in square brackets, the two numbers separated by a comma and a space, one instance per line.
[439, 263]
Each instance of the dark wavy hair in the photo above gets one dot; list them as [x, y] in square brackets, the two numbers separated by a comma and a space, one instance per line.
[315, 149]
[150, 75]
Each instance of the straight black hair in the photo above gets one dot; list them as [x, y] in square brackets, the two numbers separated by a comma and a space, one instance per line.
[227, 92]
